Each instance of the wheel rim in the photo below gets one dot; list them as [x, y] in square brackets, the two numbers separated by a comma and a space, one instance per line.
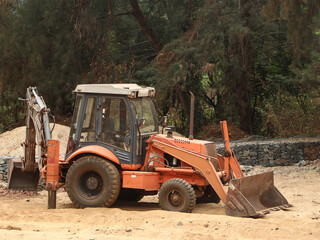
[175, 199]
[90, 185]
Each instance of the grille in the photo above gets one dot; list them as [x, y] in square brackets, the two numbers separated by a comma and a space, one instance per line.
[124, 157]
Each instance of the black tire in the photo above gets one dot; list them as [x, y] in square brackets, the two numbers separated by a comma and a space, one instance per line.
[209, 196]
[177, 195]
[130, 195]
[93, 182]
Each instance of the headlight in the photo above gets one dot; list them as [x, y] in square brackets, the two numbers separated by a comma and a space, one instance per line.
[133, 94]
[151, 93]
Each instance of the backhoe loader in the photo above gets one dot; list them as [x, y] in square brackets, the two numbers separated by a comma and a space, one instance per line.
[115, 151]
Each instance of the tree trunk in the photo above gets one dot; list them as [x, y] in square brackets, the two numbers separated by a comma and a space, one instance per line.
[243, 81]
[144, 25]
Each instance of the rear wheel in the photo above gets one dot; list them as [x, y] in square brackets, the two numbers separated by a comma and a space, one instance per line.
[93, 182]
[177, 195]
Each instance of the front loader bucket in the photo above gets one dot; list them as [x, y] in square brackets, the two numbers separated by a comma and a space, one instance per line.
[22, 180]
[253, 196]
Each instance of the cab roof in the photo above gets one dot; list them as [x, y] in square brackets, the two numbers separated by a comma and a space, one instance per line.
[129, 89]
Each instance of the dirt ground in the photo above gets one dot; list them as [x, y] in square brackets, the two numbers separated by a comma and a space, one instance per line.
[25, 216]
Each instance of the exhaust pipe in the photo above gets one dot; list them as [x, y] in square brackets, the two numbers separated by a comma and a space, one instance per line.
[191, 116]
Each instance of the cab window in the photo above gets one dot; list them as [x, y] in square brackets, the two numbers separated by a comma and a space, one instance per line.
[115, 122]
[88, 130]
[75, 117]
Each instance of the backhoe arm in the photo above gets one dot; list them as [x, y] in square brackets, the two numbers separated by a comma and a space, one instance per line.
[24, 173]
[37, 129]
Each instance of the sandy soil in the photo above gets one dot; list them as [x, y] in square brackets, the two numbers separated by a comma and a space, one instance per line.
[10, 141]
[24, 216]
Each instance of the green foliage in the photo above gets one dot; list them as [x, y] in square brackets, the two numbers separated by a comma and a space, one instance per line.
[241, 62]
[291, 116]
[11, 112]
[254, 63]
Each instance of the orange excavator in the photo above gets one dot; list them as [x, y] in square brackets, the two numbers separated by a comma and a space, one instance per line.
[115, 151]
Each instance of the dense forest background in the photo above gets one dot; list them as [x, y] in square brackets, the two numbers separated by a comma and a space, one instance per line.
[255, 63]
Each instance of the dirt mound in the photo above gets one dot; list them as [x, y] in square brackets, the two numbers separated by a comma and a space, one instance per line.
[10, 141]
[214, 131]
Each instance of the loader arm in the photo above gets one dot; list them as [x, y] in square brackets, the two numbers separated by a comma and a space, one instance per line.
[203, 164]
[196, 160]
[246, 196]
[229, 158]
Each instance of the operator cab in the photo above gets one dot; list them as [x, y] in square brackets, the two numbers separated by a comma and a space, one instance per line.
[119, 117]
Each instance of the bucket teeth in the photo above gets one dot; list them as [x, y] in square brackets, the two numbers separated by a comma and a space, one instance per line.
[286, 206]
[275, 209]
[283, 207]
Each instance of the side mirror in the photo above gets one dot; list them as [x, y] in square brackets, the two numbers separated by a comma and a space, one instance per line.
[164, 121]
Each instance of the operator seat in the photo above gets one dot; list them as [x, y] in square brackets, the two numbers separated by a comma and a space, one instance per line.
[107, 129]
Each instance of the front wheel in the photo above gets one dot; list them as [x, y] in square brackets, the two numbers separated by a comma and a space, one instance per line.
[93, 182]
[177, 195]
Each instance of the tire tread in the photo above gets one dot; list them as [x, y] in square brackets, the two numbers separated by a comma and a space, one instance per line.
[108, 168]
[189, 191]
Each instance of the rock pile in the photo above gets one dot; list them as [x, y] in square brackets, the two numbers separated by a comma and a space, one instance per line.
[4, 168]
[282, 152]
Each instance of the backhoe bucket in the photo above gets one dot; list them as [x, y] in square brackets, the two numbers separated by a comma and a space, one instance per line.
[254, 196]
[22, 180]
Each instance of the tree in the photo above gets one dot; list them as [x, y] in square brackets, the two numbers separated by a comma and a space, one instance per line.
[244, 60]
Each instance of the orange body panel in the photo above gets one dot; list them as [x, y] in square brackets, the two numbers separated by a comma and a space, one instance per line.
[97, 150]
[131, 166]
[193, 179]
[52, 167]
[150, 181]
[188, 175]
[178, 142]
